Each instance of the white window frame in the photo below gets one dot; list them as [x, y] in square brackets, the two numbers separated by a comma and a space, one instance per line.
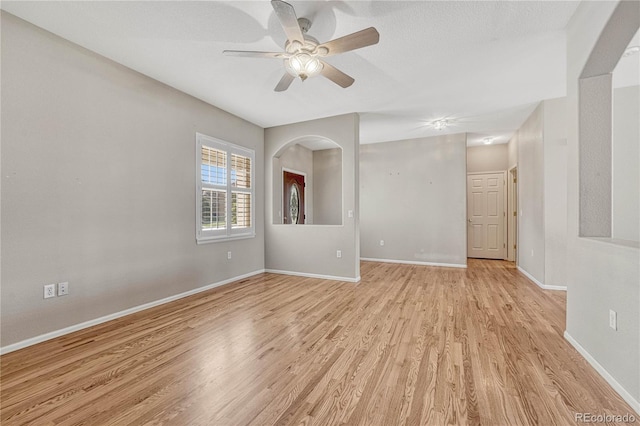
[229, 233]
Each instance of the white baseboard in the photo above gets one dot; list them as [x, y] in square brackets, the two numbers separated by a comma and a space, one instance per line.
[413, 262]
[539, 284]
[307, 275]
[57, 333]
[604, 373]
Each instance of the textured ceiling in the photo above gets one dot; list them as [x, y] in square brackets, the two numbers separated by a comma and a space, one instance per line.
[481, 64]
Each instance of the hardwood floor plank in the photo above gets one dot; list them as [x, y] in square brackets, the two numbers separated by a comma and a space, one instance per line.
[408, 345]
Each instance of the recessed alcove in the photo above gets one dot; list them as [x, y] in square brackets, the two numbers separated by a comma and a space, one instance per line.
[596, 140]
[307, 183]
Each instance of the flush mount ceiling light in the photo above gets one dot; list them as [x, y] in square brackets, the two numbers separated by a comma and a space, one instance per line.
[487, 141]
[440, 124]
[304, 55]
[631, 51]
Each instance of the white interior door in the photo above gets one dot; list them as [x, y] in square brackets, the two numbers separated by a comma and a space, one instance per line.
[486, 216]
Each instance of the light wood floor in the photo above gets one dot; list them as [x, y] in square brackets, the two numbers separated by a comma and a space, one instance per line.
[407, 345]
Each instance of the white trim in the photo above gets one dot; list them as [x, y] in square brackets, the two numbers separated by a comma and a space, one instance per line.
[505, 208]
[298, 172]
[512, 219]
[308, 275]
[604, 373]
[539, 284]
[225, 239]
[229, 232]
[486, 173]
[57, 333]
[413, 262]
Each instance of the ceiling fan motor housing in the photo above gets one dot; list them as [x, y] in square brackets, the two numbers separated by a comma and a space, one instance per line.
[305, 24]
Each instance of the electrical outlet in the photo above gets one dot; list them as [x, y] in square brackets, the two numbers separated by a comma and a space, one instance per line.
[613, 319]
[339, 254]
[63, 289]
[229, 255]
[49, 291]
[350, 213]
[381, 242]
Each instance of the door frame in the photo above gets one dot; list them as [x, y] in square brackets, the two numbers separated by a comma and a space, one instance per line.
[504, 208]
[298, 172]
[512, 214]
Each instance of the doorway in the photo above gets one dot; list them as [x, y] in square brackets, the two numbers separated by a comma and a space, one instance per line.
[293, 188]
[486, 214]
[512, 215]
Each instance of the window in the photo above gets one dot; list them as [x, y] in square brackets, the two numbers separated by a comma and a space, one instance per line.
[224, 196]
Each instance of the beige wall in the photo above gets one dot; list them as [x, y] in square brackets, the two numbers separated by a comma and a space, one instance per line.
[487, 158]
[98, 186]
[512, 151]
[602, 275]
[413, 196]
[555, 192]
[311, 249]
[531, 242]
[541, 146]
[626, 155]
[327, 186]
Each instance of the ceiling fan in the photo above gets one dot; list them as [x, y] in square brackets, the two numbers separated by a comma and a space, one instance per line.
[303, 54]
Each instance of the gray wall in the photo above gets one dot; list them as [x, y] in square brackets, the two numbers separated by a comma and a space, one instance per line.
[512, 152]
[555, 192]
[98, 186]
[327, 186]
[295, 157]
[487, 158]
[311, 249]
[601, 274]
[541, 147]
[531, 243]
[626, 173]
[413, 196]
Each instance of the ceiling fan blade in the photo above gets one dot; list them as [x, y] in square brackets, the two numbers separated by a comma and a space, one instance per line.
[252, 54]
[284, 82]
[335, 75]
[353, 41]
[287, 16]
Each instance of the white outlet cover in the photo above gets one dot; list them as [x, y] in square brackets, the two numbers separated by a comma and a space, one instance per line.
[350, 213]
[613, 319]
[49, 291]
[63, 289]
[339, 254]
[229, 255]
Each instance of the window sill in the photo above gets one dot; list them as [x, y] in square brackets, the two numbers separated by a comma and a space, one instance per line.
[224, 239]
[615, 241]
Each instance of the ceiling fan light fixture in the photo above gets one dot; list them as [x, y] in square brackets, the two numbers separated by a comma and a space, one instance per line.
[303, 65]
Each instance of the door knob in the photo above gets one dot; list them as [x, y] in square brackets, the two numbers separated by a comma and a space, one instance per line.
[469, 220]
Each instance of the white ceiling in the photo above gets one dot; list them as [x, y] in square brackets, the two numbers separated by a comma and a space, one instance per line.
[481, 64]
